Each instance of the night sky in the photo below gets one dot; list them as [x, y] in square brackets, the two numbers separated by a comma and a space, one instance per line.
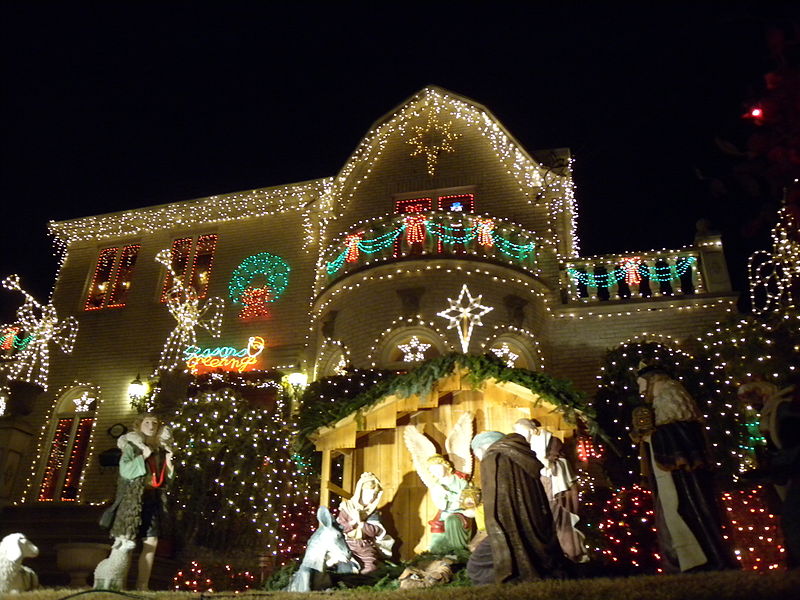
[107, 108]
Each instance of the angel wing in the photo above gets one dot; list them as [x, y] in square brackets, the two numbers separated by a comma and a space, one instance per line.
[421, 449]
[458, 442]
[211, 314]
[65, 333]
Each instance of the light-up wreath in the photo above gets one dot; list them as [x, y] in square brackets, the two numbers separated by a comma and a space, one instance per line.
[257, 281]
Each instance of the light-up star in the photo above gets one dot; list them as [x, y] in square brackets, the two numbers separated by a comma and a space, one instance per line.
[464, 316]
[431, 140]
[83, 403]
[413, 351]
[504, 352]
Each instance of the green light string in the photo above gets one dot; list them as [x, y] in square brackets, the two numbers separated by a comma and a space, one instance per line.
[461, 236]
[381, 242]
[17, 342]
[657, 274]
[337, 262]
[509, 248]
[445, 233]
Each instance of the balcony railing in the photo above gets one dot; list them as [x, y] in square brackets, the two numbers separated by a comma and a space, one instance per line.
[432, 233]
[626, 277]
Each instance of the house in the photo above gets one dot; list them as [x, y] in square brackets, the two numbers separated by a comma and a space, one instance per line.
[438, 215]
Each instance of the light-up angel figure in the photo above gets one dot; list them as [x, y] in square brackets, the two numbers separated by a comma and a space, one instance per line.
[190, 313]
[42, 325]
[445, 479]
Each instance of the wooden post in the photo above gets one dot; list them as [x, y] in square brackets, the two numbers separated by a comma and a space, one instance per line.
[325, 477]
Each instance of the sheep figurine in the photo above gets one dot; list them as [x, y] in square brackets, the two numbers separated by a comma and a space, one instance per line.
[14, 576]
[111, 573]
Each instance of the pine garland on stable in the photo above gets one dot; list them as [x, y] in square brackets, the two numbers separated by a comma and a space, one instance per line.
[318, 410]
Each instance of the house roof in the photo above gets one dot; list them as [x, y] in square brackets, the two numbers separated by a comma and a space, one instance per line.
[188, 213]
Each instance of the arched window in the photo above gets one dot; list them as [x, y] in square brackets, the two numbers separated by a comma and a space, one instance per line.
[68, 450]
[334, 360]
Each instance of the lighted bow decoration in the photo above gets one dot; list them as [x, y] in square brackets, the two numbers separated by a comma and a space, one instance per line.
[190, 313]
[43, 326]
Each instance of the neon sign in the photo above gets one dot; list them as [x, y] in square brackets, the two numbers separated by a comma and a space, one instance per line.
[202, 360]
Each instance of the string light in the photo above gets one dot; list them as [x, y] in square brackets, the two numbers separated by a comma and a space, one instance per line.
[464, 316]
[213, 209]
[32, 362]
[771, 274]
[242, 455]
[754, 531]
[459, 230]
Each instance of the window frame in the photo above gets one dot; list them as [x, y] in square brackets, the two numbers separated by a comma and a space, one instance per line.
[112, 281]
[189, 271]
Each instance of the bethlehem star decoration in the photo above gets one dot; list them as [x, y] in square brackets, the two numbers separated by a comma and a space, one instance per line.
[189, 312]
[43, 326]
[505, 353]
[431, 140]
[413, 351]
[464, 316]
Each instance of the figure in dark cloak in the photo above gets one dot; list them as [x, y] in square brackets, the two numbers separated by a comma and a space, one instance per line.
[522, 544]
[678, 466]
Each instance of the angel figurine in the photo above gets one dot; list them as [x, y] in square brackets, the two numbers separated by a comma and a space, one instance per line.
[445, 479]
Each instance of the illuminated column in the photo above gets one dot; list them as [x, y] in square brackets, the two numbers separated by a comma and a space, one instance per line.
[712, 262]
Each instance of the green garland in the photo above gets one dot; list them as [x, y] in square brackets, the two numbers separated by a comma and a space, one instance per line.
[571, 403]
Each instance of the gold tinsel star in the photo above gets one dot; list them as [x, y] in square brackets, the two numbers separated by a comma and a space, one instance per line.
[432, 139]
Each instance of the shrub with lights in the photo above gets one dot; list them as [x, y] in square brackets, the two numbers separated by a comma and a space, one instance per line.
[618, 394]
[237, 481]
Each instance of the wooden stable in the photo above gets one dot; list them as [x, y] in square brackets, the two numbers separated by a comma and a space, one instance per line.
[371, 439]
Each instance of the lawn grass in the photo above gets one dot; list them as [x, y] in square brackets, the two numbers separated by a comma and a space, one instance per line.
[728, 585]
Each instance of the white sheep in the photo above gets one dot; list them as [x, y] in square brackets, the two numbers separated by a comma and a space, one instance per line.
[111, 573]
[14, 576]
